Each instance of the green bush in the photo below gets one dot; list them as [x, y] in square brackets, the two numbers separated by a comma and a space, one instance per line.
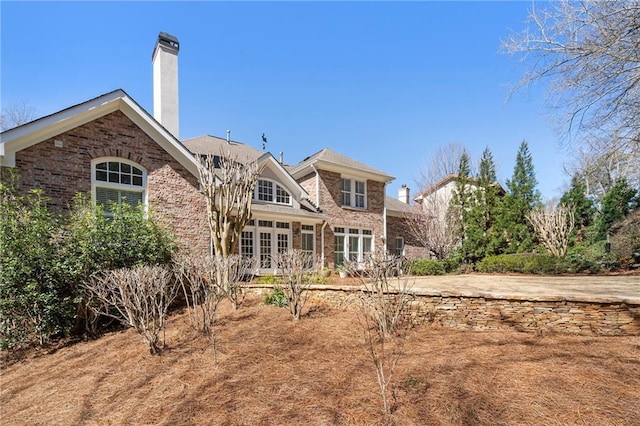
[428, 267]
[522, 263]
[276, 297]
[269, 279]
[35, 301]
[42, 261]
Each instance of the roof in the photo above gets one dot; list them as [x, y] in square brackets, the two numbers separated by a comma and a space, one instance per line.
[448, 179]
[396, 207]
[283, 211]
[34, 132]
[208, 144]
[327, 159]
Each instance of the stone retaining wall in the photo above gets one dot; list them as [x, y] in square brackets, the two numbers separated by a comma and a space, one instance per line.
[610, 316]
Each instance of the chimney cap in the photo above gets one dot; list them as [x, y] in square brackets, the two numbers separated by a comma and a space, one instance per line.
[168, 40]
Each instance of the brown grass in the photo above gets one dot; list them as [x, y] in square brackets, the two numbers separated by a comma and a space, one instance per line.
[274, 371]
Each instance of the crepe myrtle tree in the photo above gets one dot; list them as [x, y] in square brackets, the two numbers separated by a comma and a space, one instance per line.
[227, 185]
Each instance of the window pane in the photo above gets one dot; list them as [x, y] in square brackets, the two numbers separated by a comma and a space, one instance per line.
[114, 177]
[359, 187]
[137, 180]
[131, 198]
[366, 245]
[307, 243]
[283, 243]
[126, 179]
[101, 175]
[265, 250]
[101, 166]
[246, 244]
[353, 248]
[125, 168]
[360, 201]
[114, 167]
[339, 250]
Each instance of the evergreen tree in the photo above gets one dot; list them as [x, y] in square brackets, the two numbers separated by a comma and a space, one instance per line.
[616, 204]
[522, 197]
[480, 241]
[462, 199]
[583, 207]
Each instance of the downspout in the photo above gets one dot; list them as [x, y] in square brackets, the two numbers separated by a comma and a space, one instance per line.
[324, 224]
[384, 219]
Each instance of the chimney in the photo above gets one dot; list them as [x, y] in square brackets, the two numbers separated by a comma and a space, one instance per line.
[165, 82]
[403, 194]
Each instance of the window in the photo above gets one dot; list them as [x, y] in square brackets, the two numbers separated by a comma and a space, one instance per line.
[399, 249]
[263, 239]
[353, 244]
[266, 189]
[353, 193]
[308, 244]
[118, 181]
[246, 244]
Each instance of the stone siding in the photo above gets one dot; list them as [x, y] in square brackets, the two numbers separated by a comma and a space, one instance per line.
[172, 191]
[540, 315]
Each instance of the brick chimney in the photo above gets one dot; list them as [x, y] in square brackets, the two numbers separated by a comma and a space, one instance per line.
[403, 194]
[165, 82]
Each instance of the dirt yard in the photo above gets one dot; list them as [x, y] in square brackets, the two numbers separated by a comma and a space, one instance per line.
[274, 371]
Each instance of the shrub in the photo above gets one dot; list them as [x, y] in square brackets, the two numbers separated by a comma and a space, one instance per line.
[276, 297]
[269, 279]
[521, 263]
[35, 302]
[625, 242]
[428, 267]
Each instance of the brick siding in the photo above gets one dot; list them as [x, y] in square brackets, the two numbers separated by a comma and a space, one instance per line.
[172, 191]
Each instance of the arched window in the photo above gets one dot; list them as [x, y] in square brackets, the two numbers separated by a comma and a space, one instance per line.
[270, 192]
[116, 180]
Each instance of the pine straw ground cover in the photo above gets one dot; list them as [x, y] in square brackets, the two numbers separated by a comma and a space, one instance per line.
[274, 371]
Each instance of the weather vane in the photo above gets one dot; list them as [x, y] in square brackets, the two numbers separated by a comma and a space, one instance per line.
[264, 142]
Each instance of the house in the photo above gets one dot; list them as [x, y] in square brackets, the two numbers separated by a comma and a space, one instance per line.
[329, 205]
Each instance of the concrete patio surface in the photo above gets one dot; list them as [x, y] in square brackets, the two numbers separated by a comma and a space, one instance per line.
[601, 288]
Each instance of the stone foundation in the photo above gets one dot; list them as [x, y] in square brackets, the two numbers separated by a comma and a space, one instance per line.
[534, 314]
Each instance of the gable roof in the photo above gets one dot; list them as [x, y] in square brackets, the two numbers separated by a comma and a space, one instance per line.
[34, 132]
[327, 159]
[243, 153]
[446, 180]
[208, 144]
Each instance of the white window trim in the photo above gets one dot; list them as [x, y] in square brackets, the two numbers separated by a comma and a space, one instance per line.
[352, 192]
[256, 228]
[110, 185]
[274, 189]
[361, 236]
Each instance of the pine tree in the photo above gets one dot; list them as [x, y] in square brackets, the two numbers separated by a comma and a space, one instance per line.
[522, 198]
[482, 214]
[462, 199]
[616, 204]
[583, 207]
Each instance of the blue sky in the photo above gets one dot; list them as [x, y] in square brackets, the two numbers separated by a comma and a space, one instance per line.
[384, 83]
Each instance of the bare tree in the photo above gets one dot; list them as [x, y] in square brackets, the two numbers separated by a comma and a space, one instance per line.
[385, 298]
[199, 278]
[227, 185]
[294, 266]
[433, 227]
[600, 164]
[442, 163]
[553, 227]
[137, 297]
[15, 115]
[589, 51]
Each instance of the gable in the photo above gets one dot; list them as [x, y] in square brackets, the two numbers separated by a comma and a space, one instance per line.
[37, 131]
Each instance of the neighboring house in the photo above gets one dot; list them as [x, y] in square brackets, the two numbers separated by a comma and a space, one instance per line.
[328, 205]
